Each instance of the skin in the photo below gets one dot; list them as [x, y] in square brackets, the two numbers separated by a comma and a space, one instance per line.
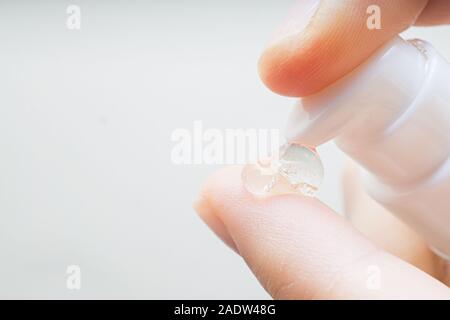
[296, 246]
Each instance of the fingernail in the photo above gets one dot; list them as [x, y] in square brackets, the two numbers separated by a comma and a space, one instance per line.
[205, 212]
[296, 21]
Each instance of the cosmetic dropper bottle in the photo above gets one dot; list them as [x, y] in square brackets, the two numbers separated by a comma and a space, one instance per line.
[392, 116]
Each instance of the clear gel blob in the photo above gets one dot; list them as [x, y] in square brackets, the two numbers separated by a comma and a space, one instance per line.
[296, 169]
[259, 179]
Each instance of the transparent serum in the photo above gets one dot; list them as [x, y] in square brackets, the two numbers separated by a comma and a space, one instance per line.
[295, 169]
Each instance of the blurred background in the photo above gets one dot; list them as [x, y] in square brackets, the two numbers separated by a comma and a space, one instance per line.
[86, 118]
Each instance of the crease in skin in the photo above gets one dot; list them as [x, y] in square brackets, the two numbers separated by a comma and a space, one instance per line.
[421, 11]
[369, 217]
[442, 270]
[204, 209]
[436, 12]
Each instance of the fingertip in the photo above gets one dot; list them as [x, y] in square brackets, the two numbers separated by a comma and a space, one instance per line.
[334, 43]
[220, 186]
[286, 72]
[205, 212]
[211, 199]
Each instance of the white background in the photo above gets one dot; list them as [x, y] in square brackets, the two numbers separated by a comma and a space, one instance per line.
[85, 123]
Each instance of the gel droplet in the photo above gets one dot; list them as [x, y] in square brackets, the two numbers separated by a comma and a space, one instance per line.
[259, 179]
[297, 169]
[302, 167]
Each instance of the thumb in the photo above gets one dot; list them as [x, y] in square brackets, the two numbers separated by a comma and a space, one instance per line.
[299, 249]
[336, 39]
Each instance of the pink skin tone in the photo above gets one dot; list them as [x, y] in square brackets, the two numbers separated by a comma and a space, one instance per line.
[298, 248]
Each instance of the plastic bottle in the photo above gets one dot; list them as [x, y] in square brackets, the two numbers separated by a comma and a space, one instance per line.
[392, 115]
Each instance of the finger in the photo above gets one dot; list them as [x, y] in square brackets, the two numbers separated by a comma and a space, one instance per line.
[385, 230]
[335, 40]
[436, 12]
[298, 248]
[381, 227]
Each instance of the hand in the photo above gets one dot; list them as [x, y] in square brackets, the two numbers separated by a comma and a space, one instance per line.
[296, 246]
[300, 62]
